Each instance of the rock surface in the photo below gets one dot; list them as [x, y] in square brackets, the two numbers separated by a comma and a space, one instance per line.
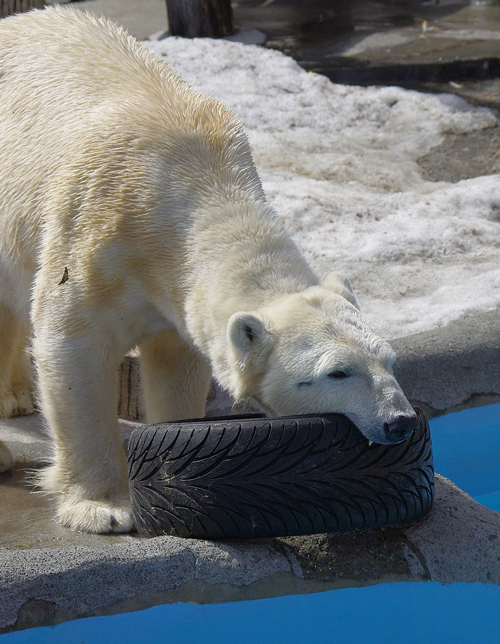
[446, 369]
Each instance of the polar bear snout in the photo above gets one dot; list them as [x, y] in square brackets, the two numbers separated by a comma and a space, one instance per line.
[400, 428]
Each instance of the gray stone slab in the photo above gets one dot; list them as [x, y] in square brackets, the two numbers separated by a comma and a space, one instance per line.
[445, 369]
[458, 541]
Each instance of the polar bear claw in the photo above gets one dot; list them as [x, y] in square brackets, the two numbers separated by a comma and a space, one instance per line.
[99, 517]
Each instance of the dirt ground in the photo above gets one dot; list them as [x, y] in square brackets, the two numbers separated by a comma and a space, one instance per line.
[463, 156]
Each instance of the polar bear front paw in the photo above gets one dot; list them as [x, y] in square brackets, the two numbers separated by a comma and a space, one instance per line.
[6, 458]
[15, 403]
[97, 517]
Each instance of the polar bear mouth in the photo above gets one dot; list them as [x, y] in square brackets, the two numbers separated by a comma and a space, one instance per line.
[396, 431]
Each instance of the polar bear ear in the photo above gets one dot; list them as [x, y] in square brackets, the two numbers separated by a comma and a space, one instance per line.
[339, 284]
[247, 334]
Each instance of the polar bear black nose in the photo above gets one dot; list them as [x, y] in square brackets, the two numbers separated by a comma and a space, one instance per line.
[400, 428]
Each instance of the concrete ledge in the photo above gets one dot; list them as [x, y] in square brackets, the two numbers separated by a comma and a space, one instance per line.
[453, 367]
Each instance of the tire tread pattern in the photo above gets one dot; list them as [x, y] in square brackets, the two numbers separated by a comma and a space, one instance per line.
[257, 477]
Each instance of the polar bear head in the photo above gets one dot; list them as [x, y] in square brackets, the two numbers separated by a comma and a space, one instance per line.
[312, 352]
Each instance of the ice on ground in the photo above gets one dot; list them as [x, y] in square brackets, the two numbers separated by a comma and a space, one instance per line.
[339, 165]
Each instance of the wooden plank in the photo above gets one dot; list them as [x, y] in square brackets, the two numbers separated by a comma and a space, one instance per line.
[130, 403]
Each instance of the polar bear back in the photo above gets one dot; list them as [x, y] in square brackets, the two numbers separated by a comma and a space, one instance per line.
[55, 49]
[84, 107]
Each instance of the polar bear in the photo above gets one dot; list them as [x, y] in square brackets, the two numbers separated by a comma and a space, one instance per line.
[131, 214]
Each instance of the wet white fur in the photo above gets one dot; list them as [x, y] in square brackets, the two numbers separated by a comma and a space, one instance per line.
[131, 214]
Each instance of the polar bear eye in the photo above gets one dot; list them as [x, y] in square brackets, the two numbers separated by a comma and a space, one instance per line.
[338, 375]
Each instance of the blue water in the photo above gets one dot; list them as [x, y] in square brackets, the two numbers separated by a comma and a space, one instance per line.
[491, 501]
[466, 448]
[397, 613]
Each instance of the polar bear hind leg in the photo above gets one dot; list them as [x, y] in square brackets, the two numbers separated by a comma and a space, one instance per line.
[15, 379]
[175, 378]
[6, 458]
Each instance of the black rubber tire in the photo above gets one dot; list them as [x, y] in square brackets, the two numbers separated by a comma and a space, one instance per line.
[247, 477]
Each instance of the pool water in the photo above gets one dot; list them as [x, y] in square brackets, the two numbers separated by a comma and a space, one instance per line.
[466, 448]
[396, 613]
